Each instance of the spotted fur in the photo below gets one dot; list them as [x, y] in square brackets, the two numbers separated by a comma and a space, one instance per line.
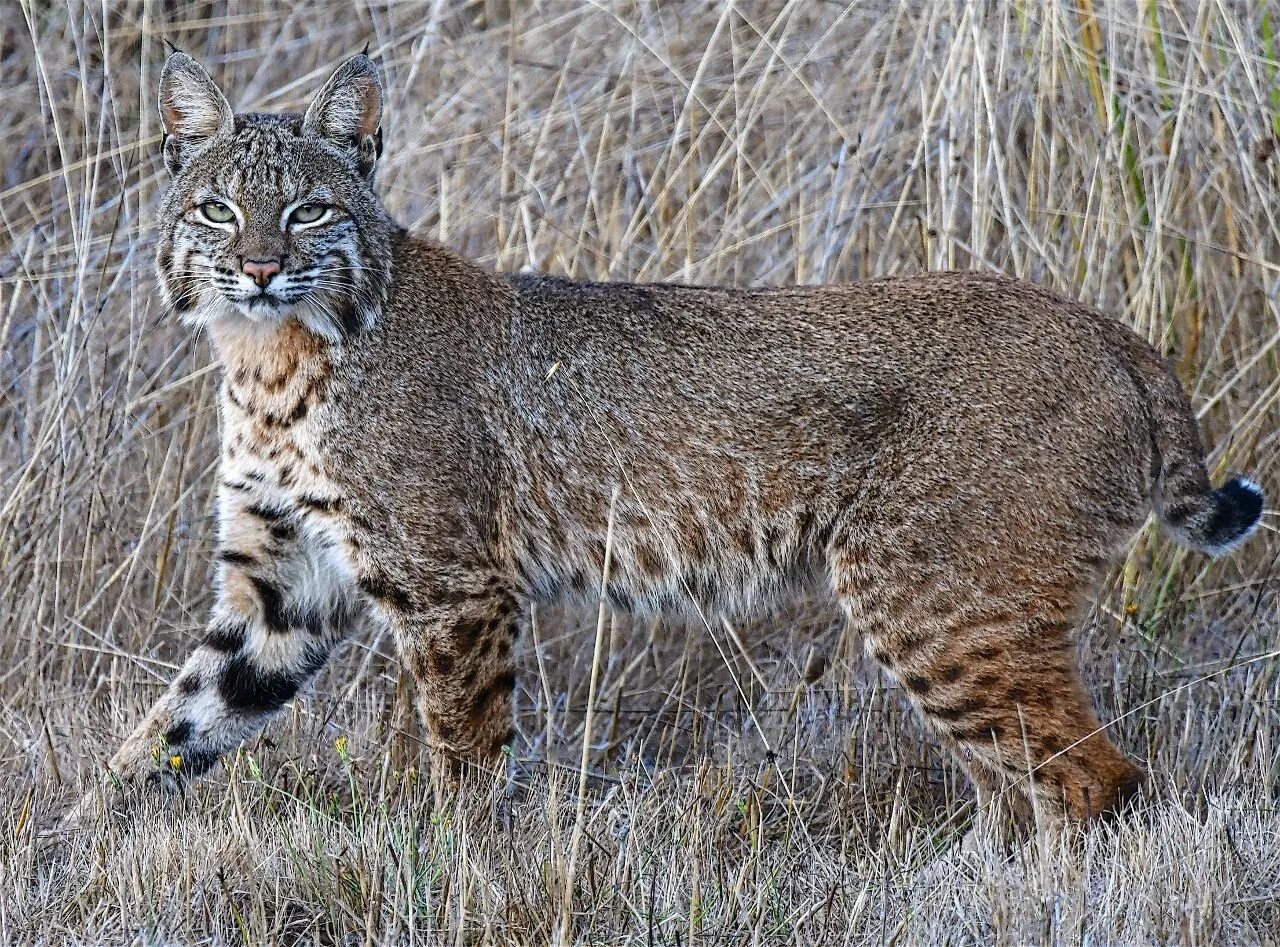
[407, 436]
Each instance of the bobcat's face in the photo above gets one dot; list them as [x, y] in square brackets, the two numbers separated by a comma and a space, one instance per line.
[273, 217]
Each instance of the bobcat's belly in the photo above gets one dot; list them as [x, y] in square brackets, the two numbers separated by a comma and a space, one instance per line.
[686, 563]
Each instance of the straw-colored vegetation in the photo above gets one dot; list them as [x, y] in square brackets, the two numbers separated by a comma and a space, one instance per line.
[746, 785]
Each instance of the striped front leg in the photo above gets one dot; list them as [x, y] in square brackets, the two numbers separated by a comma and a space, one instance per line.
[284, 600]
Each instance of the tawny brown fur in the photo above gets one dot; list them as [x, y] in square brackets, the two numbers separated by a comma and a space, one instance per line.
[956, 457]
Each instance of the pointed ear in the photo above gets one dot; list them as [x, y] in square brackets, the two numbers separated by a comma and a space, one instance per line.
[192, 109]
[348, 112]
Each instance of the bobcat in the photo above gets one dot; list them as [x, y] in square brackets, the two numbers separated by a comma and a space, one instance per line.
[408, 436]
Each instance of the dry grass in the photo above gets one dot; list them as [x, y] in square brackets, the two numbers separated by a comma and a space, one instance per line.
[1124, 154]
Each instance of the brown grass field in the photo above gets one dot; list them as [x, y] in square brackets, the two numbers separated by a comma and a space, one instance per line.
[744, 785]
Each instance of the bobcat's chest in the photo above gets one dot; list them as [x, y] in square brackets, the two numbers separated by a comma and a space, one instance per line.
[274, 492]
[272, 392]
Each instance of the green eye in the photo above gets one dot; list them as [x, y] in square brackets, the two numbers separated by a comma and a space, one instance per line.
[217, 212]
[307, 213]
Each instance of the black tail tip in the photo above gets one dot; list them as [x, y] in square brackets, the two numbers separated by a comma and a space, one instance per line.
[1238, 504]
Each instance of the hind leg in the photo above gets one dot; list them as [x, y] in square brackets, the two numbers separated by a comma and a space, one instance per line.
[992, 666]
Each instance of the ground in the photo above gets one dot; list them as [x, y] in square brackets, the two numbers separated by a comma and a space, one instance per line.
[744, 783]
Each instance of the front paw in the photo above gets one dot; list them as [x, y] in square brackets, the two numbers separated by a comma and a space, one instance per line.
[122, 795]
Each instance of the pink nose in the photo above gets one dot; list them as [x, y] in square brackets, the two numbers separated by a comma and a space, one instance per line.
[261, 270]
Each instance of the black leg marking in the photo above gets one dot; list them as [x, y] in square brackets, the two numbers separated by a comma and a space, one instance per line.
[247, 689]
[471, 632]
[440, 662]
[274, 613]
[227, 638]
[320, 504]
[178, 734]
[196, 761]
[267, 513]
[296, 414]
[955, 711]
[501, 686]
[232, 557]
[916, 684]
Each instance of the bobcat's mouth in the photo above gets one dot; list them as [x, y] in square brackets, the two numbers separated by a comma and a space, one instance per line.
[322, 307]
[273, 299]
[261, 305]
[269, 301]
[263, 300]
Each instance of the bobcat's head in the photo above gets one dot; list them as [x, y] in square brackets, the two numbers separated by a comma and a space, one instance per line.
[273, 217]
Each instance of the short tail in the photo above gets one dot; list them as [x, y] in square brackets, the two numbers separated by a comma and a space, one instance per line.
[1218, 521]
[1194, 514]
